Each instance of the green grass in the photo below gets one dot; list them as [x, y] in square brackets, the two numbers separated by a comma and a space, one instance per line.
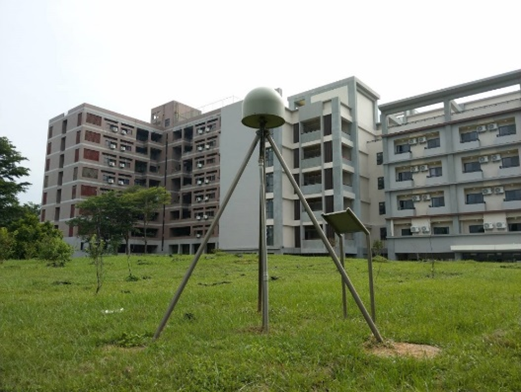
[56, 336]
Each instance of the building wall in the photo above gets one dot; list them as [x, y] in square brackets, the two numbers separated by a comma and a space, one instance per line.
[454, 175]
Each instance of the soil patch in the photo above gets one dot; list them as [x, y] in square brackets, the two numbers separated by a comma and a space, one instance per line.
[398, 349]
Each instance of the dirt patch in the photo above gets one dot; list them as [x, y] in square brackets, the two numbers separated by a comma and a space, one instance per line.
[398, 349]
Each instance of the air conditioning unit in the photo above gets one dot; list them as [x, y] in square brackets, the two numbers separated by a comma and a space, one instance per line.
[495, 158]
[413, 141]
[200, 131]
[199, 182]
[207, 181]
[110, 181]
[415, 169]
[488, 226]
[123, 132]
[112, 146]
[422, 139]
[112, 163]
[198, 199]
[199, 165]
[501, 225]
[198, 217]
[492, 127]
[416, 198]
[426, 229]
[123, 148]
[200, 148]
[415, 229]
[426, 197]
[122, 165]
[486, 191]
[198, 235]
[121, 182]
[206, 217]
[207, 146]
[208, 129]
[481, 128]
[113, 128]
[206, 198]
[483, 159]
[499, 190]
[424, 167]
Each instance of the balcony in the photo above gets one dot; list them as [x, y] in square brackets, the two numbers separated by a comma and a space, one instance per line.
[512, 205]
[478, 207]
[403, 213]
[305, 217]
[311, 162]
[310, 136]
[310, 189]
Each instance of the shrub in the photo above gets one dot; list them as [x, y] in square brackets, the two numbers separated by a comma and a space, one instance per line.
[55, 251]
[6, 244]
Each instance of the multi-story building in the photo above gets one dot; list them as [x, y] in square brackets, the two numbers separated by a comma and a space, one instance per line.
[452, 172]
[443, 182]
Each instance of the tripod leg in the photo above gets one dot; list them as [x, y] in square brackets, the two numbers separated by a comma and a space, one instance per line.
[206, 238]
[328, 246]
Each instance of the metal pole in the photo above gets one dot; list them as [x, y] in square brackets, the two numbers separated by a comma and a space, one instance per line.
[206, 239]
[262, 235]
[342, 261]
[370, 268]
[324, 239]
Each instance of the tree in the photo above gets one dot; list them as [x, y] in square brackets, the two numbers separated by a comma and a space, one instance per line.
[148, 201]
[10, 172]
[27, 233]
[6, 244]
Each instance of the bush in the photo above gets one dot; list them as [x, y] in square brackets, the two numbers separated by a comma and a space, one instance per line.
[55, 251]
[6, 244]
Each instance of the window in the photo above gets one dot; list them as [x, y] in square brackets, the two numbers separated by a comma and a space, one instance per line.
[167, 122]
[269, 235]
[383, 233]
[438, 201]
[269, 182]
[79, 119]
[49, 134]
[269, 157]
[513, 195]
[64, 126]
[469, 167]
[310, 233]
[505, 130]
[433, 143]
[87, 190]
[404, 176]
[476, 229]
[440, 230]
[89, 172]
[474, 198]
[49, 148]
[406, 204]
[381, 184]
[381, 208]
[406, 232]
[312, 178]
[509, 162]
[514, 227]
[469, 137]
[314, 203]
[435, 172]
[402, 148]
[73, 192]
[91, 136]
[44, 198]
[269, 209]
[379, 158]
[47, 164]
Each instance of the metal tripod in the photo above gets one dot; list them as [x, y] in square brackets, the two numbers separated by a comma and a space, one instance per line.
[261, 137]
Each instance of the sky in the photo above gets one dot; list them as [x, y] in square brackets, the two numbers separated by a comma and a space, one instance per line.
[130, 56]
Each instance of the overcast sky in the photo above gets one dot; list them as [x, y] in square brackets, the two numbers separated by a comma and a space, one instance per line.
[129, 56]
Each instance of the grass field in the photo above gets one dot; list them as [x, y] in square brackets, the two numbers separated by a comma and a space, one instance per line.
[56, 335]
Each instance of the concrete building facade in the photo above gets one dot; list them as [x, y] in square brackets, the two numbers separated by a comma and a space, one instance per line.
[440, 181]
[452, 172]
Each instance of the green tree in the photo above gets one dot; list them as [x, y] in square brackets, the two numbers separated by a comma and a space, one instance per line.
[10, 173]
[148, 202]
[28, 232]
